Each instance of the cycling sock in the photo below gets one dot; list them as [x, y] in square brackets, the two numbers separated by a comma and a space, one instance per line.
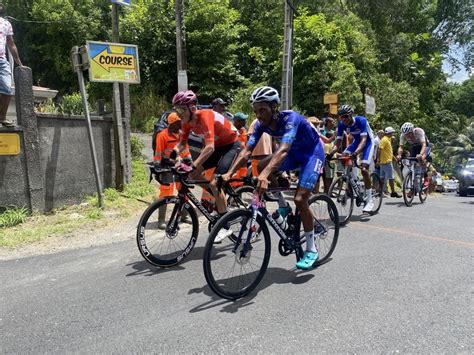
[281, 200]
[310, 246]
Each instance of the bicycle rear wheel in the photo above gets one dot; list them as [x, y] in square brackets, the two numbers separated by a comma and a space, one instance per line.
[341, 193]
[231, 272]
[245, 193]
[170, 246]
[326, 226]
[408, 190]
[377, 192]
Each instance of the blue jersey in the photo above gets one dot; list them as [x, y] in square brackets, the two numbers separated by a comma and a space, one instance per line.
[359, 128]
[292, 128]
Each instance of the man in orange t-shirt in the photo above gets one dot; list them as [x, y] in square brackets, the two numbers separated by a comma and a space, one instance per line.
[166, 141]
[220, 140]
[240, 119]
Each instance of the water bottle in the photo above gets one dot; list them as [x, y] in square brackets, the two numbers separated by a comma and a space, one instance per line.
[280, 220]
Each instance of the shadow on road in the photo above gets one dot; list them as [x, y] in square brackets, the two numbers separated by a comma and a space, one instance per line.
[272, 276]
[396, 203]
[144, 268]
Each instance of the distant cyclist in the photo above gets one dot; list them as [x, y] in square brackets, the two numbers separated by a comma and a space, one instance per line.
[220, 140]
[300, 147]
[416, 137]
[358, 127]
[420, 146]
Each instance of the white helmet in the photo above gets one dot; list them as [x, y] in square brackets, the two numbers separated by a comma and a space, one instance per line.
[265, 94]
[407, 127]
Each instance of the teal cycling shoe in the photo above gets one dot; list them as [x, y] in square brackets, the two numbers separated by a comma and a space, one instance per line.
[284, 211]
[307, 261]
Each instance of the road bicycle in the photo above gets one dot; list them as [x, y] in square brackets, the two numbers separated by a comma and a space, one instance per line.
[348, 189]
[169, 247]
[413, 182]
[235, 267]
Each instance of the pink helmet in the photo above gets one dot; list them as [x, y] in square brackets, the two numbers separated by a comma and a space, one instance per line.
[184, 98]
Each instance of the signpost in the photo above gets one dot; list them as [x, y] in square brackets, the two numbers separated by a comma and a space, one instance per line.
[113, 63]
[9, 144]
[369, 105]
[122, 2]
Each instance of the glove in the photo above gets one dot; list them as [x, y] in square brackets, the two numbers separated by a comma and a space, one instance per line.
[187, 161]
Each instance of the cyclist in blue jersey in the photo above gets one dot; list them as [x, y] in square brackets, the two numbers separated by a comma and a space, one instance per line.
[358, 127]
[299, 147]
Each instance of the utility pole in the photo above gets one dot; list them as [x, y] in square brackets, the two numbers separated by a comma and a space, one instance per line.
[119, 144]
[287, 72]
[181, 45]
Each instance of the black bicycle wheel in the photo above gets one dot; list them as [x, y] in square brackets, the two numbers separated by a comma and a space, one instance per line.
[326, 225]
[341, 193]
[170, 246]
[408, 190]
[377, 192]
[230, 272]
[245, 194]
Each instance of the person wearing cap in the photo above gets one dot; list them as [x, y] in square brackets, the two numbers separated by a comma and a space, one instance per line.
[166, 140]
[219, 105]
[240, 119]
[384, 160]
[6, 40]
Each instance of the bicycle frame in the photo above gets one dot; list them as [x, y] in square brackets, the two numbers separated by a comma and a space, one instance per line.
[292, 242]
[353, 181]
[414, 168]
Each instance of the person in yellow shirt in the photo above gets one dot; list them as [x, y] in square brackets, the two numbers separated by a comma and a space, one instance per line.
[384, 159]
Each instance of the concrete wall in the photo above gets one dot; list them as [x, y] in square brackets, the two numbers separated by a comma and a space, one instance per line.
[66, 161]
[55, 166]
[13, 177]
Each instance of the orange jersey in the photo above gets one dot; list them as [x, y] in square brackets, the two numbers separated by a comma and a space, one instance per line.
[165, 142]
[242, 136]
[212, 127]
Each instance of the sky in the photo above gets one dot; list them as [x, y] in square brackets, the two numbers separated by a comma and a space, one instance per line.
[457, 76]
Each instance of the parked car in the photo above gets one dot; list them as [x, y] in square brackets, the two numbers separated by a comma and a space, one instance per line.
[439, 184]
[466, 178]
[450, 185]
[195, 142]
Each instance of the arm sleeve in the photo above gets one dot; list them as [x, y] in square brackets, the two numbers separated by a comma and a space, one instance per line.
[207, 122]
[364, 126]
[340, 132]
[9, 29]
[255, 136]
[402, 139]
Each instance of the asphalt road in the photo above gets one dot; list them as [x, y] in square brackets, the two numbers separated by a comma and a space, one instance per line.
[399, 282]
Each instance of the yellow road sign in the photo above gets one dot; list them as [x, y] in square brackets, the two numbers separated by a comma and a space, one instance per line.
[333, 109]
[9, 144]
[113, 62]
[330, 98]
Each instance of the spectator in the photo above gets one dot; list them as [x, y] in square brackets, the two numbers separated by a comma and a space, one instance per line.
[384, 160]
[166, 140]
[240, 119]
[263, 148]
[6, 39]
[220, 106]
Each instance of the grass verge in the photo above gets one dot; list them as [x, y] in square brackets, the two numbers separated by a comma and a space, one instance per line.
[18, 229]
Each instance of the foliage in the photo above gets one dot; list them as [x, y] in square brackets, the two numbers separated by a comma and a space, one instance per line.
[47, 106]
[137, 146]
[140, 186]
[72, 104]
[13, 216]
[147, 107]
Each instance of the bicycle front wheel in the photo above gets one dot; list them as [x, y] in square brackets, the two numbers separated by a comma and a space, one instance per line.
[233, 268]
[326, 226]
[408, 190]
[341, 193]
[170, 245]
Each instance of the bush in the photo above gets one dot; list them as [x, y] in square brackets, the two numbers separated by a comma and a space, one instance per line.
[146, 107]
[137, 147]
[47, 106]
[72, 104]
[13, 216]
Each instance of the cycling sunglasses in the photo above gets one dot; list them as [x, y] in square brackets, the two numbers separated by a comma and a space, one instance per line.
[180, 110]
